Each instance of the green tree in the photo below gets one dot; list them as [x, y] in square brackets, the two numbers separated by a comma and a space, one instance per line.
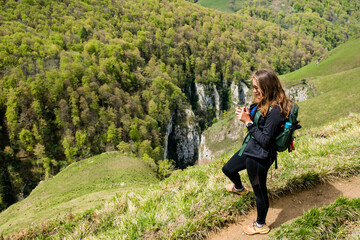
[26, 139]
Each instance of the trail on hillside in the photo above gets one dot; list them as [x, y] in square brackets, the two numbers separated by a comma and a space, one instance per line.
[290, 206]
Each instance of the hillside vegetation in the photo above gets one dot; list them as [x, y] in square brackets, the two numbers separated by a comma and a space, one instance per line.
[329, 22]
[336, 82]
[81, 186]
[79, 78]
[193, 201]
[340, 220]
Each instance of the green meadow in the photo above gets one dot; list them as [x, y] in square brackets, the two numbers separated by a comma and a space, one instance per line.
[221, 5]
[344, 57]
[82, 185]
[336, 82]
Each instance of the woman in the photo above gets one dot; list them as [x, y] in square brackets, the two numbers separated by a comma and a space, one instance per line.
[257, 155]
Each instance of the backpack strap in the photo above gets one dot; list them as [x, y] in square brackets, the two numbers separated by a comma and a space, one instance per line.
[256, 121]
[248, 136]
[257, 117]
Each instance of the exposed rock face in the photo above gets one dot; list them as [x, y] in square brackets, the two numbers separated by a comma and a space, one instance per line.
[300, 92]
[205, 154]
[168, 131]
[208, 97]
[183, 139]
[217, 101]
[240, 94]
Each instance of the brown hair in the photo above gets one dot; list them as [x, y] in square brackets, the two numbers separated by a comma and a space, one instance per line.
[272, 92]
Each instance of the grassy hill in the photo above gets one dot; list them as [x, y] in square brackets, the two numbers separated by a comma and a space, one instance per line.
[336, 81]
[344, 57]
[81, 186]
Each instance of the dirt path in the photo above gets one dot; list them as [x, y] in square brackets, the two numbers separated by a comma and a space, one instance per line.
[291, 206]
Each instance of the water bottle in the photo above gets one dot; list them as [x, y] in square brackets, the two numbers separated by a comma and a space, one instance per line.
[287, 125]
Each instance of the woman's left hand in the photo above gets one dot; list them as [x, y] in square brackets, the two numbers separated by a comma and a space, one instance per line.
[243, 114]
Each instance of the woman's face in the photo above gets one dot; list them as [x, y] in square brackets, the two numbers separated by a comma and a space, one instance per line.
[256, 89]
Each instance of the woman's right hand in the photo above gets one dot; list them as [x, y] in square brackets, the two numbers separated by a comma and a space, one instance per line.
[243, 114]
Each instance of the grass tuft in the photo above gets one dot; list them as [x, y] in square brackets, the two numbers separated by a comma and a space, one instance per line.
[331, 222]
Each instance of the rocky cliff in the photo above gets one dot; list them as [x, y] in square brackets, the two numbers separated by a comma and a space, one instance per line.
[182, 139]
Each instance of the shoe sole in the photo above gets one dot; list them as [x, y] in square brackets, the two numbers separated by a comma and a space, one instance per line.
[241, 194]
[262, 233]
[246, 192]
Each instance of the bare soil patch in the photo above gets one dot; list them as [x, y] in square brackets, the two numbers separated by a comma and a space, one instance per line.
[290, 206]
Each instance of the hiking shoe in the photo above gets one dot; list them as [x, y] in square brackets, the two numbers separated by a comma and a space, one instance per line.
[231, 188]
[254, 229]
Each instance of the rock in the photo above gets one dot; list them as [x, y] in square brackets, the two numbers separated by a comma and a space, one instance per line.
[240, 94]
[183, 139]
[208, 97]
[301, 92]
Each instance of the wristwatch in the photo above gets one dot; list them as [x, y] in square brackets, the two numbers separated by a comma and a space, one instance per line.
[249, 124]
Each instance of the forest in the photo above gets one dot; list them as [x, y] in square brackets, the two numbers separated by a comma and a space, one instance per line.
[327, 22]
[82, 77]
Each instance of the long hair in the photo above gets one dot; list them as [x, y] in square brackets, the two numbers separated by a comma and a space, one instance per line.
[272, 92]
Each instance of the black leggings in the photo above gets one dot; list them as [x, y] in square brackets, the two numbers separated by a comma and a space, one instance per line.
[257, 171]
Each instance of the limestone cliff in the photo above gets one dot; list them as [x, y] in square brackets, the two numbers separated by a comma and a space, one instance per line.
[183, 138]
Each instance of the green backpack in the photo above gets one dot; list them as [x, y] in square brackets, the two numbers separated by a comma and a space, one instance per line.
[285, 140]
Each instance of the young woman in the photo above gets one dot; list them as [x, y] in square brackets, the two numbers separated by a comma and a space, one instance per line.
[259, 153]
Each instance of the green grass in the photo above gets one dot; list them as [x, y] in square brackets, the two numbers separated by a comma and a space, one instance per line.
[336, 221]
[193, 201]
[81, 186]
[345, 57]
[338, 95]
[221, 5]
[336, 82]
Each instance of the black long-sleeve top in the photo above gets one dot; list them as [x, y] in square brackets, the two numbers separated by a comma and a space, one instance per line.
[261, 145]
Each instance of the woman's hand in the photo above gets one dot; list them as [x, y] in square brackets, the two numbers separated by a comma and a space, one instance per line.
[243, 114]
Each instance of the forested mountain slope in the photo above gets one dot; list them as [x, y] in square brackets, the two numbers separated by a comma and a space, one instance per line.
[329, 22]
[78, 78]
